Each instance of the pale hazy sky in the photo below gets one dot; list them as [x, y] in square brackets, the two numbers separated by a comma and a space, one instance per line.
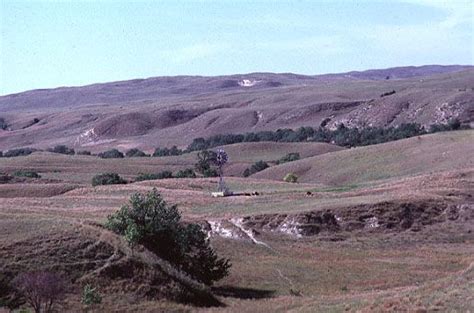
[46, 44]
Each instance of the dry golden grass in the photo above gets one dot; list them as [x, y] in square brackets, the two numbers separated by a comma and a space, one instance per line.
[47, 223]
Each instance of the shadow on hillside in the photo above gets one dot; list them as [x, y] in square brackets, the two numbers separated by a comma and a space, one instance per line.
[242, 293]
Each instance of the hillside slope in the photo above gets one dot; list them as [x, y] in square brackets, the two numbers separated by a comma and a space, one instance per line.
[166, 111]
[408, 157]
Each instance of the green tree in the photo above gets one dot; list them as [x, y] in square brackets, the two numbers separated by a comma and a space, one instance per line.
[149, 221]
[206, 163]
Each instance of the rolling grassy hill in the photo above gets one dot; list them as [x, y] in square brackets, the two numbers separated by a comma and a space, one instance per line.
[402, 158]
[80, 169]
[166, 111]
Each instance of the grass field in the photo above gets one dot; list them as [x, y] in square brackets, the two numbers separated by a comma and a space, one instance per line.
[50, 223]
[413, 156]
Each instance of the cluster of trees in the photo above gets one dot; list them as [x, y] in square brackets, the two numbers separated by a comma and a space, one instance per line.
[135, 153]
[17, 152]
[343, 136]
[206, 164]
[159, 152]
[62, 149]
[111, 154]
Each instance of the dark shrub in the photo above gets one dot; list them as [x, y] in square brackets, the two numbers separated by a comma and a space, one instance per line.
[1, 154]
[388, 93]
[30, 174]
[83, 152]
[198, 144]
[454, 124]
[111, 154]
[18, 152]
[257, 167]
[186, 173]
[161, 175]
[62, 149]
[290, 157]
[159, 152]
[132, 153]
[107, 179]
[41, 289]
[325, 122]
[148, 220]
[3, 124]
[5, 178]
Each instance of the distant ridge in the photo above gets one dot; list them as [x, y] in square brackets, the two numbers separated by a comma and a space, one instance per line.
[167, 111]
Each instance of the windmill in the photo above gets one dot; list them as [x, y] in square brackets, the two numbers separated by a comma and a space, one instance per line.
[221, 160]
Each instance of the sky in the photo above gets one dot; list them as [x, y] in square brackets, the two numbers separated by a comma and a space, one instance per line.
[46, 44]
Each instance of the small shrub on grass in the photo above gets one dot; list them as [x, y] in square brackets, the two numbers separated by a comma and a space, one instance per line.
[135, 153]
[41, 289]
[62, 149]
[149, 221]
[388, 93]
[161, 175]
[90, 295]
[108, 179]
[18, 152]
[290, 178]
[111, 154]
[186, 173]
[29, 174]
[83, 152]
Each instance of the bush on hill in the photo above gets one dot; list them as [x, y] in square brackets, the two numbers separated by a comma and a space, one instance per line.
[3, 124]
[83, 152]
[18, 152]
[133, 153]
[388, 93]
[290, 157]
[186, 173]
[111, 154]
[290, 178]
[453, 124]
[159, 152]
[62, 149]
[257, 167]
[149, 221]
[30, 174]
[108, 179]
